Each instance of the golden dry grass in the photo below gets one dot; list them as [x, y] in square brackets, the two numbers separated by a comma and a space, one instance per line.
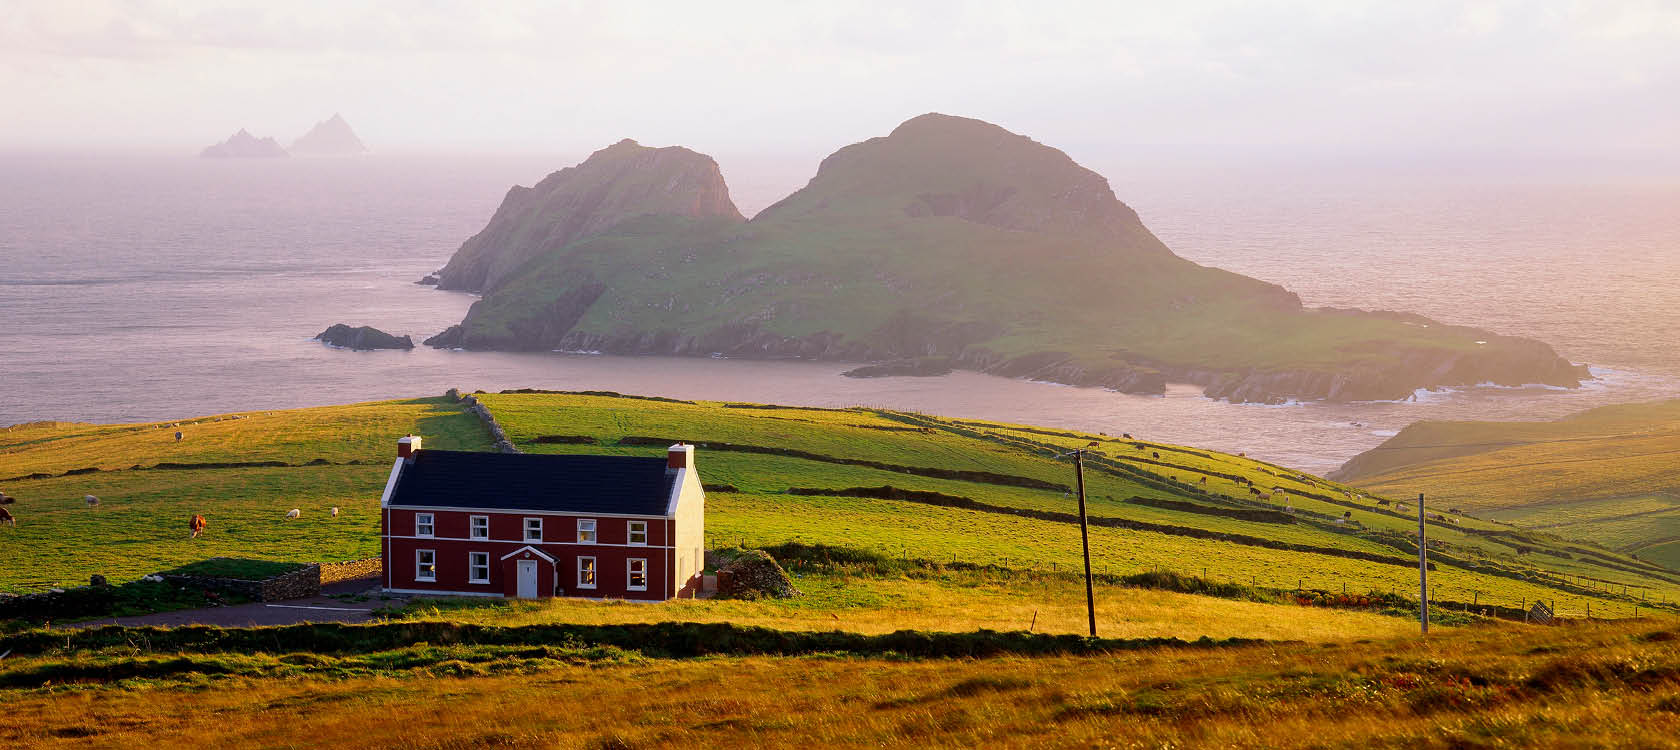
[963, 604]
[1586, 685]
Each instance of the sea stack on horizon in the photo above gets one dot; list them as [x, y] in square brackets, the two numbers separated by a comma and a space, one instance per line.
[244, 145]
[330, 137]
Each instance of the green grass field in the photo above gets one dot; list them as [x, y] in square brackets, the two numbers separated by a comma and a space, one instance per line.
[1606, 475]
[1151, 509]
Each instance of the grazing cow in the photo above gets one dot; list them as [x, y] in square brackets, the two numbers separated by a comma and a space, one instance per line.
[1382, 502]
[1156, 454]
[6, 499]
[197, 524]
[178, 436]
[1092, 444]
[294, 513]
[1265, 495]
[92, 502]
[1242, 455]
[6, 517]
[1126, 435]
[1253, 491]
[335, 511]
[1204, 480]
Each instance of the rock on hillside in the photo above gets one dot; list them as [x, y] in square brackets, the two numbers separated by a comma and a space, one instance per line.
[949, 238]
[242, 145]
[331, 137]
[362, 338]
[621, 181]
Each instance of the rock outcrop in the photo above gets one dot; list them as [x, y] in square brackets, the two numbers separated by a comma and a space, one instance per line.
[362, 338]
[330, 137]
[244, 145]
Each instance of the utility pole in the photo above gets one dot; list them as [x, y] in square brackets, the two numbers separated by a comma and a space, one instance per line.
[1085, 541]
[1423, 571]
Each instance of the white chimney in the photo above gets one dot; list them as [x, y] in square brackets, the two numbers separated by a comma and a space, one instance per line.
[680, 456]
[407, 446]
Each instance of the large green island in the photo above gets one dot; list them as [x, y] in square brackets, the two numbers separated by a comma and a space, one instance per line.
[950, 242]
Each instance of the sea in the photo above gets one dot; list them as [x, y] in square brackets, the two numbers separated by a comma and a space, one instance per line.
[153, 287]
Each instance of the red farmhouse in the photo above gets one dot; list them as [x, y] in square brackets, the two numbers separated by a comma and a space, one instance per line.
[528, 526]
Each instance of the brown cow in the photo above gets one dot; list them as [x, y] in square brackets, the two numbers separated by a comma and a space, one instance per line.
[197, 525]
[6, 517]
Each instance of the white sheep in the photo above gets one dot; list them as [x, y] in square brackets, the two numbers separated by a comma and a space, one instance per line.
[294, 513]
[335, 511]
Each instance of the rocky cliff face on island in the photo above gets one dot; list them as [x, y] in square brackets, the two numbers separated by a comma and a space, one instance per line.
[949, 238]
[362, 338]
[330, 137]
[620, 182]
[244, 145]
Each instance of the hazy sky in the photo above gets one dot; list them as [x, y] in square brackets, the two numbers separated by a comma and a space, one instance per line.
[801, 78]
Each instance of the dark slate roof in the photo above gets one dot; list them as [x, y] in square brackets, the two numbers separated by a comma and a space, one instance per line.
[630, 485]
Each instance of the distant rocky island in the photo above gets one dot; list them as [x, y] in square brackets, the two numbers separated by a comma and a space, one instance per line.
[362, 338]
[330, 137]
[950, 242]
[244, 145]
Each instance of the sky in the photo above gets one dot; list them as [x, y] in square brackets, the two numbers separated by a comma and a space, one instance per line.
[1589, 80]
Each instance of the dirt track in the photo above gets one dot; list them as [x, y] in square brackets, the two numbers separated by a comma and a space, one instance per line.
[313, 609]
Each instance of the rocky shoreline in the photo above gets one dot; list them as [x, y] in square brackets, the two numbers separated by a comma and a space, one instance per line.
[1517, 362]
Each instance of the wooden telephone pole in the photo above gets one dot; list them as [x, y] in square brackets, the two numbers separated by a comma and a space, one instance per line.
[1085, 541]
[1423, 571]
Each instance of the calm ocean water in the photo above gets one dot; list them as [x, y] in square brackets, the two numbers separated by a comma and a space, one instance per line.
[141, 288]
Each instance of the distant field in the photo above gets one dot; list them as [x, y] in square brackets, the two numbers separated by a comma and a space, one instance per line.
[140, 525]
[1607, 475]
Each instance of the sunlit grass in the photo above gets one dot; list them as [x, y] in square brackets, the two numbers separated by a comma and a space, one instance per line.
[1584, 685]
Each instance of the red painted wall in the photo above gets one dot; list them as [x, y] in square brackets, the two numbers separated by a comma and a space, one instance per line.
[450, 542]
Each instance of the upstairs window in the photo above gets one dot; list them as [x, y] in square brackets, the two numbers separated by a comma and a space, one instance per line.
[478, 567]
[533, 529]
[586, 530]
[479, 528]
[422, 524]
[638, 533]
[586, 572]
[425, 565]
[638, 574]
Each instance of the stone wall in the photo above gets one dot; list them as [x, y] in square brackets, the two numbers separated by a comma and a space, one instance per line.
[298, 584]
[503, 444]
[344, 571]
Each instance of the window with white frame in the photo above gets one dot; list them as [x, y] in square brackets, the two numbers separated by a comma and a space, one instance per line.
[478, 567]
[638, 574]
[425, 565]
[586, 530]
[638, 533]
[422, 524]
[586, 572]
[478, 527]
[533, 529]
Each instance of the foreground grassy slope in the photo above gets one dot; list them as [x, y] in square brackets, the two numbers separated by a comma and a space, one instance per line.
[1605, 475]
[1586, 685]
